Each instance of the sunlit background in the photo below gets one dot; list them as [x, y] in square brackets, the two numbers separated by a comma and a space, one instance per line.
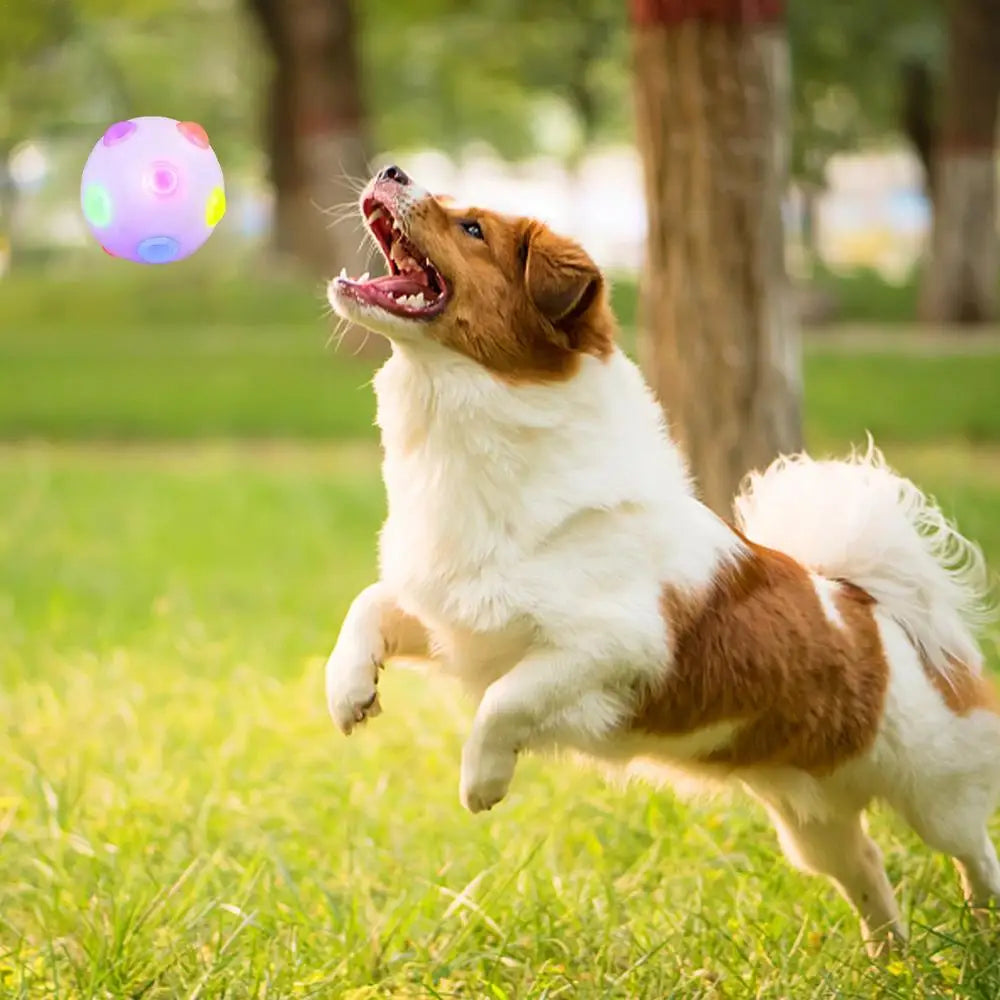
[190, 498]
[523, 106]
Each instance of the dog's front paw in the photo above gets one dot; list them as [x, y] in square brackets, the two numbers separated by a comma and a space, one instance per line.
[351, 695]
[486, 776]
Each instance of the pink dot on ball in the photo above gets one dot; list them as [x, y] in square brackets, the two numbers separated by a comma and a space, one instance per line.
[193, 132]
[118, 132]
[162, 179]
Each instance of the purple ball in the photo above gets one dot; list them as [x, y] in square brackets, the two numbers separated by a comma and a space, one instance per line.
[152, 190]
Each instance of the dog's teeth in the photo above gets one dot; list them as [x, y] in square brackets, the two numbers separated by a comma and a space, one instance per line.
[363, 278]
[418, 301]
[343, 273]
[375, 216]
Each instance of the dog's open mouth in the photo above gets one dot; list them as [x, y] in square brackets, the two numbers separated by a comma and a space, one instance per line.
[413, 288]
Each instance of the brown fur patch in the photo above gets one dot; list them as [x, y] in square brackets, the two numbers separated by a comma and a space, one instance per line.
[525, 303]
[758, 648]
[963, 690]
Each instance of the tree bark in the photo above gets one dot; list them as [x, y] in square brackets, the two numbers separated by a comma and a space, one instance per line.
[917, 115]
[720, 345]
[961, 275]
[315, 135]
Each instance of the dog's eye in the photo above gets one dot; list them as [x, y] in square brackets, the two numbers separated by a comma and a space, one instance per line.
[473, 229]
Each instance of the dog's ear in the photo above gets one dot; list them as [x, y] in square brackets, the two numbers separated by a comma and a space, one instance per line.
[562, 281]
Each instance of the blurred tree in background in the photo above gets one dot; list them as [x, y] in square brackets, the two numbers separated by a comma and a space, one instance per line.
[314, 127]
[306, 91]
[446, 73]
[960, 282]
[863, 74]
[712, 98]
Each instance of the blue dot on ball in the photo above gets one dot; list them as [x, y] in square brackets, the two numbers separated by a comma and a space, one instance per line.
[158, 249]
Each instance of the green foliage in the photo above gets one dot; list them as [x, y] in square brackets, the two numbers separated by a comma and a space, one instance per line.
[74, 66]
[448, 73]
[846, 63]
[551, 75]
[445, 73]
[429, 84]
[29, 28]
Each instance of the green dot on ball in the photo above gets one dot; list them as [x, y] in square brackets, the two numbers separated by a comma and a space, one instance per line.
[97, 206]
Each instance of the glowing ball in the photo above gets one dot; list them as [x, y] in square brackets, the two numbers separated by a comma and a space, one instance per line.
[152, 190]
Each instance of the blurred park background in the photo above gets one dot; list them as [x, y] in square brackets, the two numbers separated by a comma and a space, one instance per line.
[189, 488]
[527, 105]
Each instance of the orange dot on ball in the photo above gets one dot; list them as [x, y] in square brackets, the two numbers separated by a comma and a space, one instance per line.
[193, 132]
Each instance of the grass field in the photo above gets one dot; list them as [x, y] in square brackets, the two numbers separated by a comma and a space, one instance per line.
[184, 380]
[185, 513]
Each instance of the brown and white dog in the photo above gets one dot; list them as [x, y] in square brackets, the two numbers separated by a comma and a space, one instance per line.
[544, 544]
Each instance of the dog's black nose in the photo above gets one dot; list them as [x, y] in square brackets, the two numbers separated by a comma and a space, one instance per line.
[393, 173]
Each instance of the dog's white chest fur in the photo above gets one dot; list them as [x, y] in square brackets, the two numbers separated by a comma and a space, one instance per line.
[447, 547]
[510, 511]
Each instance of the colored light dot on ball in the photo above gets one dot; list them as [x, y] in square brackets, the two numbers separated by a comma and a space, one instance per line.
[97, 206]
[193, 132]
[162, 179]
[118, 132]
[216, 207]
[109, 252]
[158, 249]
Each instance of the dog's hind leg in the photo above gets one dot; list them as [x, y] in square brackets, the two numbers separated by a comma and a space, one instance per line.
[957, 827]
[957, 791]
[980, 873]
[840, 848]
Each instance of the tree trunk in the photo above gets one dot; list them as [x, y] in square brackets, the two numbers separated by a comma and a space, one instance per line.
[810, 194]
[961, 275]
[917, 115]
[720, 346]
[315, 131]
[285, 170]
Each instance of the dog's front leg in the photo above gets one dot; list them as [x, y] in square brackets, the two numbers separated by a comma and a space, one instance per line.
[545, 696]
[374, 629]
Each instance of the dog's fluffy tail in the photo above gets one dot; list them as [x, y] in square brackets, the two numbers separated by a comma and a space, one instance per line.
[858, 520]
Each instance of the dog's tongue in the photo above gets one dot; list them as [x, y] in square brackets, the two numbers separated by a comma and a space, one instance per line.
[411, 283]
